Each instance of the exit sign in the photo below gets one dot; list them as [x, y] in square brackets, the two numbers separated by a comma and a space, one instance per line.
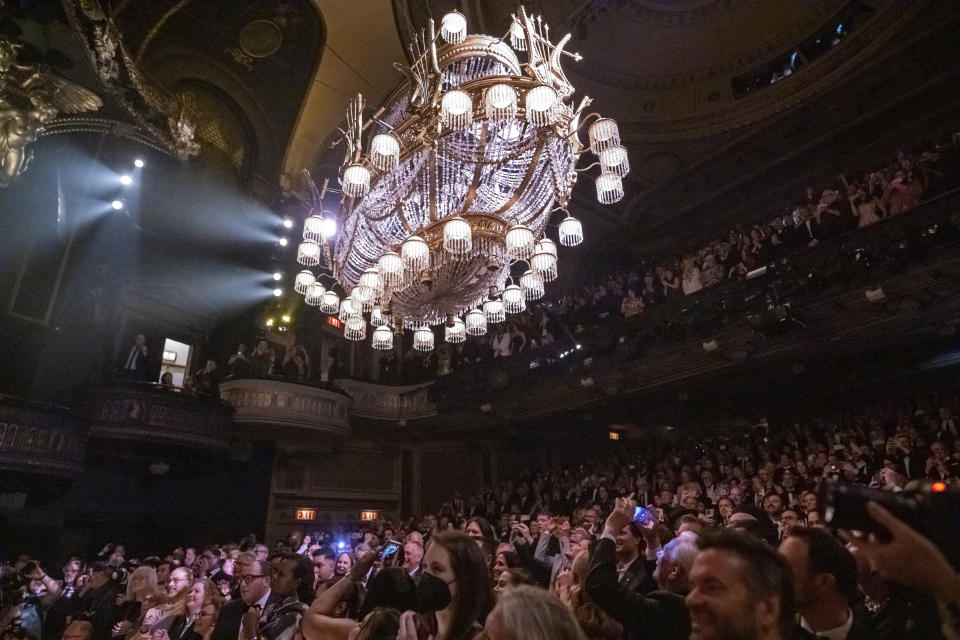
[614, 435]
[306, 514]
[333, 321]
[369, 515]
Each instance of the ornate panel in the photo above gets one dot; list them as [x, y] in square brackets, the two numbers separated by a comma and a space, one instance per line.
[38, 438]
[383, 402]
[284, 404]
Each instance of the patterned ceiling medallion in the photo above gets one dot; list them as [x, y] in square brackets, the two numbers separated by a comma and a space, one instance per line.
[261, 38]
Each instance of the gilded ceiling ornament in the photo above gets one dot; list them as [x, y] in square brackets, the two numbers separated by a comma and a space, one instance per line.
[30, 97]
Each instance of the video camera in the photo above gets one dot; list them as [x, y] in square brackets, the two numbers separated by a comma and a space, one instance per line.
[935, 515]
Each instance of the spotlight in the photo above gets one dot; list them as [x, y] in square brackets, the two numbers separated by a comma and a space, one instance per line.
[269, 322]
[283, 242]
[277, 276]
[285, 318]
[126, 180]
[138, 163]
[278, 292]
[117, 204]
[288, 223]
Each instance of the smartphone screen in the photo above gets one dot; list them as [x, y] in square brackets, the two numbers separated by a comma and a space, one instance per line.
[641, 515]
[391, 548]
[525, 517]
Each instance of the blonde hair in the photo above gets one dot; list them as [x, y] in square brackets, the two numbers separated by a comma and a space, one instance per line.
[596, 623]
[531, 613]
[151, 574]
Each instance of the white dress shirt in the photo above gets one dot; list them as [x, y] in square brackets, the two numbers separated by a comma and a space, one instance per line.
[262, 603]
[837, 633]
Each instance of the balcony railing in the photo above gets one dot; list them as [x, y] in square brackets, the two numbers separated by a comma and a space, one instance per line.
[39, 438]
[286, 408]
[134, 411]
[388, 402]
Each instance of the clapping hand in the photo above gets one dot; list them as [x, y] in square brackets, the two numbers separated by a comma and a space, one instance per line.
[621, 516]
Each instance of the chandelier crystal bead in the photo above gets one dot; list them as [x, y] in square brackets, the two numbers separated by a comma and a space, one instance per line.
[349, 309]
[457, 333]
[376, 317]
[520, 242]
[541, 105]
[531, 282]
[500, 102]
[363, 297]
[303, 280]
[453, 27]
[355, 329]
[313, 228]
[391, 269]
[416, 254]
[571, 232]
[518, 38]
[313, 295]
[308, 253]
[423, 339]
[615, 160]
[457, 236]
[371, 278]
[331, 302]
[382, 338]
[609, 188]
[476, 323]
[513, 299]
[385, 152]
[456, 109]
[603, 134]
[356, 180]
[494, 312]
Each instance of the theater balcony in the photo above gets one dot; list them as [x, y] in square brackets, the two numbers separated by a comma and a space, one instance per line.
[388, 402]
[39, 440]
[281, 410]
[132, 412]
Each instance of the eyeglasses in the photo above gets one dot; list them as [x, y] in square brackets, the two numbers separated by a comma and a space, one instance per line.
[250, 578]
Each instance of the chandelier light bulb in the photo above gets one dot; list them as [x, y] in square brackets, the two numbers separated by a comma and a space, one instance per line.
[331, 302]
[518, 38]
[541, 105]
[313, 295]
[456, 109]
[500, 102]
[423, 339]
[609, 187]
[355, 329]
[356, 181]
[382, 338]
[308, 253]
[494, 312]
[476, 323]
[604, 134]
[457, 333]
[313, 228]
[453, 27]
[513, 299]
[329, 227]
[571, 232]
[457, 236]
[391, 269]
[615, 160]
[519, 242]
[303, 280]
[385, 152]
[531, 283]
[416, 254]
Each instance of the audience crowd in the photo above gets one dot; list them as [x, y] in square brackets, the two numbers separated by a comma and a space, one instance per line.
[710, 536]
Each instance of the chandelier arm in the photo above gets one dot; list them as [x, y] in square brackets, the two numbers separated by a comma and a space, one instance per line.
[587, 117]
[588, 167]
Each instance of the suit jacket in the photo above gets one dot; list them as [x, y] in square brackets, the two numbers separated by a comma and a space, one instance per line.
[228, 624]
[657, 616]
[638, 577]
[916, 467]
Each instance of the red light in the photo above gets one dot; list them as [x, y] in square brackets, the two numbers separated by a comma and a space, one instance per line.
[334, 322]
[938, 487]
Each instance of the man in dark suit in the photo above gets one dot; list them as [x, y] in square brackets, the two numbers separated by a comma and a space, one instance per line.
[911, 462]
[135, 360]
[256, 600]
[660, 615]
[825, 584]
[633, 571]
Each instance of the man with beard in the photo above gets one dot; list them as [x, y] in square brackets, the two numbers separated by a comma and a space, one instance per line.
[740, 589]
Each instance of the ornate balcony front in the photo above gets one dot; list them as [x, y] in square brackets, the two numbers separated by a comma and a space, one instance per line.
[137, 412]
[40, 439]
[286, 410]
[388, 402]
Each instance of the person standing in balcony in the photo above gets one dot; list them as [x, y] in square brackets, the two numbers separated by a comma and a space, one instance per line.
[239, 363]
[135, 363]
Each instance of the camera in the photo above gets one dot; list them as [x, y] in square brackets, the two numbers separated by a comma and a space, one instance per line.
[934, 515]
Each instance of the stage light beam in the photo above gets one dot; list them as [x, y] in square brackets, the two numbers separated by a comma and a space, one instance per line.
[138, 163]
[277, 276]
[278, 292]
[126, 180]
[288, 223]
[117, 205]
[283, 242]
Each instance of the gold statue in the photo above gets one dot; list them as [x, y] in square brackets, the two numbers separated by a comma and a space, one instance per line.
[30, 97]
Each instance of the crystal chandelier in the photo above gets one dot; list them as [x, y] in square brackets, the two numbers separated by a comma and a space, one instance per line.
[452, 181]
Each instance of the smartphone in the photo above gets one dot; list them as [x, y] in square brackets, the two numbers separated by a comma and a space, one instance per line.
[525, 517]
[391, 548]
[641, 516]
